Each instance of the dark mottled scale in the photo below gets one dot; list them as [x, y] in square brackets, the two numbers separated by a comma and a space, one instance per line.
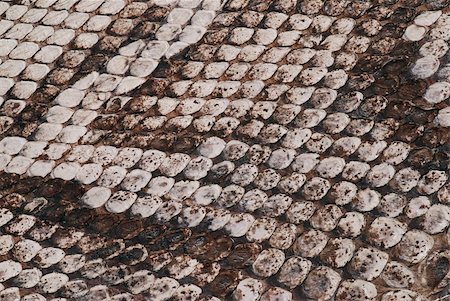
[420, 116]
[371, 106]
[198, 244]
[203, 52]
[395, 67]
[386, 85]
[435, 137]
[107, 122]
[132, 256]
[403, 15]
[72, 190]
[224, 283]
[34, 112]
[50, 188]
[103, 223]
[60, 76]
[116, 274]
[154, 87]
[170, 240]
[409, 132]
[243, 255]
[27, 185]
[56, 211]
[441, 160]
[44, 94]
[335, 7]
[358, 7]
[371, 63]
[259, 5]
[13, 201]
[398, 109]
[79, 218]
[157, 13]
[436, 270]
[437, 4]
[149, 234]
[219, 249]
[127, 229]
[420, 157]
[186, 144]
[391, 30]
[109, 250]
[216, 37]
[359, 82]
[93, 63]
[412, 90]
[110, 44]
[144, 30]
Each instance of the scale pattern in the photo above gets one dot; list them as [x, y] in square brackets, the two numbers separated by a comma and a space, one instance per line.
[209, 150]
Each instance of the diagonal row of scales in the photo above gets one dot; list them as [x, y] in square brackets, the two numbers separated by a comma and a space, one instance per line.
[210, 150]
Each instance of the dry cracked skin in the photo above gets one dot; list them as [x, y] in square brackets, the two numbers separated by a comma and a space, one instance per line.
[208, 150]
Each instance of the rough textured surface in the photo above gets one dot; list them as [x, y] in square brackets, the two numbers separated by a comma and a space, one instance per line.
[224, 150]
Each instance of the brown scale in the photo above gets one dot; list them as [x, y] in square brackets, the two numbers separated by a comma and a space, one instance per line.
[224, 283]
[109, 44]
[106, 122]
[140, 141]
[56, 211]
[108, 250]
[79, 218]
[217, 250]
[259, 5]
[132, 256]
[358, 8]
[50, 188]
[133, 10]
[335, 7]
[359, 82]
[409, 132]
[198, 244]
[403, 15]
[11, 109]
[13, 201]
[60, 76]
[27, 185]
[150, 233]
[170, 240]
[144, 30]
[103, 223]
[6, 125]
[435, 137]
[386, 85]
[154, 87]
[203, 52]
[34, 112]
[420, 116]
[120, 27]
[216, 37]
[420, 157]
[127, 229]
[437, 4]
[370, 63]
[157, 13]
[44, 94]
[243, 255]
[69, 60]
[410, 90]
[371, 106]
[398, 110]
[436, 270]
[94, 62]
